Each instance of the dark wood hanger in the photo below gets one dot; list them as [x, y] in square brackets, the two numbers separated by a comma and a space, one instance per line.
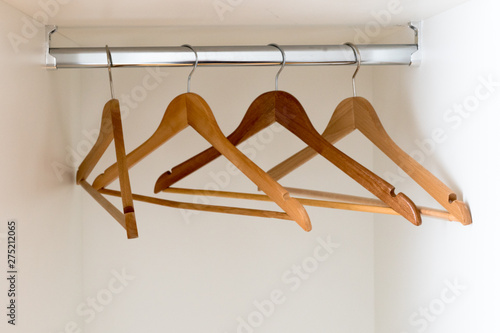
[111, 128]
[190, 109]
[282, 107]
[358, 113]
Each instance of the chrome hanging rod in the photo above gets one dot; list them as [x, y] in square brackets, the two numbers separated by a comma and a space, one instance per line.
[178, 56]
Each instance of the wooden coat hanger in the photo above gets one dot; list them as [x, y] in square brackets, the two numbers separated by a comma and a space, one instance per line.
[357, 113]
[282, 107]
[111, 128]
[190, 109]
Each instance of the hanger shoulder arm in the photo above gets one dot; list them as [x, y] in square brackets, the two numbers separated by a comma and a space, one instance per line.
[257, 117]
[369, 125]
[195, 163]
[376, 185]
[293, 162]
[127, 201]
[185, 169]
[102, 143]
[298, 159]
[430, 183]
[339, 126]
[174, 121]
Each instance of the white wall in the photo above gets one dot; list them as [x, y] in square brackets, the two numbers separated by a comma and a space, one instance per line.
[414, 267]
[40, 113]
[202, 273]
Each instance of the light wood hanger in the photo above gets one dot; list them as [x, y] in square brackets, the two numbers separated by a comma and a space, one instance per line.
[357, 113]
[190, 109]
[285, 109]
[111, 128]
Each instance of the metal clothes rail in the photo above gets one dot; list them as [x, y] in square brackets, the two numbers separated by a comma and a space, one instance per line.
[178, 56]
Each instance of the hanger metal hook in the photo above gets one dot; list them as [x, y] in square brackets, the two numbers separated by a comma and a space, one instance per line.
[110, 64]
[357, 56]
[282, 64]
[194, 67]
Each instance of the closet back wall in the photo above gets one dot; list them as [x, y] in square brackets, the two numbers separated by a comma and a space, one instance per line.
[208, 272]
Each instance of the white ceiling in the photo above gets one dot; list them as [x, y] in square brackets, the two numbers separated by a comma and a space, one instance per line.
[72, 13]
